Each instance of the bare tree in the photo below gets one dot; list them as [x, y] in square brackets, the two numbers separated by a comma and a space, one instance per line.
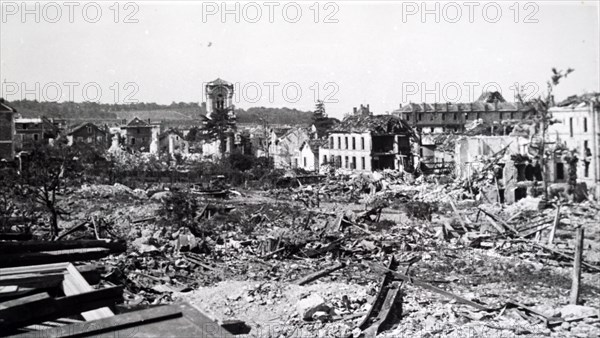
[43, 177]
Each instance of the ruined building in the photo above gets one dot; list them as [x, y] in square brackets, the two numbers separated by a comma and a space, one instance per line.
[89, 133]
[365, 142]
[309, 154]
[7, 131]
[138, 134]
[30, 132]
[577, 127]
[490, 108]
[284, 146]
[172, 141]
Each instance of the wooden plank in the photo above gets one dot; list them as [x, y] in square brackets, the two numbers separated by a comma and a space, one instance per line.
[35, 258]
[74, 284]
[46, 277]
[36, 246]
[389, 311]
[576, 279]
[42, 268]
[13, 305]
[413, 281]
[492, 222]
[319, 274]
[458, 215]
[535, 231]
[554, 225]
[6, 294]
[497, 219]
[38, 309]
[34, 280]
[377, 303]
[161, 321]
[540, 246]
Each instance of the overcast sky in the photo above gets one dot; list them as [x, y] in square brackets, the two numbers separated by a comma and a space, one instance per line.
[380, 53]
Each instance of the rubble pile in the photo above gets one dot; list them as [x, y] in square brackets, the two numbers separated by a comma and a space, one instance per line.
[348, 256]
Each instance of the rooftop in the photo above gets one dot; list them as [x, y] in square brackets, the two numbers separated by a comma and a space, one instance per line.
[575, 101]
[375, 124]
[5, 107]
[315, 145]
[219, 82]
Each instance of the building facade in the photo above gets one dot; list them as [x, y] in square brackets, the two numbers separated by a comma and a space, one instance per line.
[491, 108]
[369, 143]
[172, 142]
[309, 155]
[91, 134]
[577, 128]
[138, 135]
[30, 132]
[7, 131]
[284, 146]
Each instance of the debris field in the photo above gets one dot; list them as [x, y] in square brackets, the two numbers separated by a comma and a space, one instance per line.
[346, 255]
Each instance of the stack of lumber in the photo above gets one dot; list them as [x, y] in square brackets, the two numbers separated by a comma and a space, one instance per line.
[37, 297]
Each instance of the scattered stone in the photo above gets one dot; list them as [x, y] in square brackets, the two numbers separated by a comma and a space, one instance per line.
[308, 306]
[321, 316]
[161, 196]
[578, 311]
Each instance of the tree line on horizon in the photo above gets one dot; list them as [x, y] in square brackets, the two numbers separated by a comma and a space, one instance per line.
[94, 110]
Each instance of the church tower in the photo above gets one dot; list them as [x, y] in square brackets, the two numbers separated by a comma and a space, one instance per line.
[219, 94]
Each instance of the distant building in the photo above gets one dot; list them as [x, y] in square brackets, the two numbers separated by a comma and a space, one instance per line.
[284, 146]
[138, 135]
[219, 95]
[309, 154]
[172, 141]
[490, 108]
[364, 142]
[578, 128]
[89, 133]
[30, 132]
[7, 131]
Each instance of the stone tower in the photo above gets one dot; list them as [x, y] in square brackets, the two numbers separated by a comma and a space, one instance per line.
[219, 94]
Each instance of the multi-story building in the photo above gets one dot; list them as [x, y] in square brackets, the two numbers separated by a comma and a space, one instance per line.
[490, 108]
[89, 133]
[30, 132]
[365, 142]
[138, 134]
[578, 128]
[7, 131]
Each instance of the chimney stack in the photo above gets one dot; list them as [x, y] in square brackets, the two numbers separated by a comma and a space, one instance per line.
[354, 110]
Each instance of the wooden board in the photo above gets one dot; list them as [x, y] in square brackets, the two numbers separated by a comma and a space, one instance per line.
[40, 307]
[48, 257]
[36, 246]
[181, 320]
[74, 284]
